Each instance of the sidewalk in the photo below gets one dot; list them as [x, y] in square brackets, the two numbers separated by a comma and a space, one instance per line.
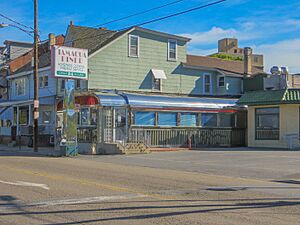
[42, 151]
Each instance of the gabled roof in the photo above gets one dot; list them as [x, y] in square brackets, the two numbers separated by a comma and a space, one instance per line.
[23, 62]
[225, 66]
[94, 39]
[288, 96]
[18, 43]
[87, 37]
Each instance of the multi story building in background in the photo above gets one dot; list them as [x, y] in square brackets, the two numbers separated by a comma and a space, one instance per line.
[230, 46]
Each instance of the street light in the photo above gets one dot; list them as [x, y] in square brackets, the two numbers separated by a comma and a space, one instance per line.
[35, 69]
[29, 32]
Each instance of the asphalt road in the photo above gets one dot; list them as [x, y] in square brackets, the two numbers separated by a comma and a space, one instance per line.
[185, 187]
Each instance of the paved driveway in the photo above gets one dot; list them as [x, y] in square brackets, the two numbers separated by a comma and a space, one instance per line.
[245, 164]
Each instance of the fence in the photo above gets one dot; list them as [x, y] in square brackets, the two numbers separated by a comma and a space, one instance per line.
[178, 137]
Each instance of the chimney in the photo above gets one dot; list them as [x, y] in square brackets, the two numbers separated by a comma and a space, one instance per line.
[247, 62]
[51, 40]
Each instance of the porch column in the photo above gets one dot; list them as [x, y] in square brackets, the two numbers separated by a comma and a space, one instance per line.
[102, 120]
[30, 115]
[113, 125]
[18, 121]
[99, 125]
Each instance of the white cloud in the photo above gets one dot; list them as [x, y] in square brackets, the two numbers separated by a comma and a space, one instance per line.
[199, 51]
[283, 53]
[216, 33]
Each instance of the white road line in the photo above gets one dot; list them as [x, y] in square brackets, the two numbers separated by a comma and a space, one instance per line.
[85, 200]
[18, 204]
[25, 184]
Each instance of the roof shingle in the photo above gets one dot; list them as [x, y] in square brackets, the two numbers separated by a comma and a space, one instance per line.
[226, 66]
[288, 96]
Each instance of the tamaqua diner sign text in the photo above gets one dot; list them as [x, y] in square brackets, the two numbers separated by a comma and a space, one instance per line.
[69, 63]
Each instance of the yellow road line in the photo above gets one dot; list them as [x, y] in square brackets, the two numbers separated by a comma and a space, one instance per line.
[87, 182]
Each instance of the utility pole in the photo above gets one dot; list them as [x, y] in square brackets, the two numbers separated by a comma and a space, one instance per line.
[36, 80]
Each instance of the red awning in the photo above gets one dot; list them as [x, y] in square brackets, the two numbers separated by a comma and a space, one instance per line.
[81, 100]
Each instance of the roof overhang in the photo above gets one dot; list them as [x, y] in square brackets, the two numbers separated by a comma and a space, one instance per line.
[162, 34]
[158, 74]
[15, 103]
[212, 69]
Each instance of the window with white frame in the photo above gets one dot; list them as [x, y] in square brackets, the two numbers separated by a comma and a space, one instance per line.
[221, 81]
[172, 50]
[134, 42]
[43, 81]
[207, 83]
[20, 85]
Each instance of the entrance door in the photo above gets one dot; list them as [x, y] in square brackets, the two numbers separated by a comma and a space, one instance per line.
[120, 124]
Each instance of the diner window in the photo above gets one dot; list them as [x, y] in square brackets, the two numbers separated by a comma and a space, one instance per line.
[20, 85]
[172, 50]
[267, 123]
[46, 117]
[134, 42]
[221, 81]
[188, 119]
[144, 118]
[226, 120]
[167, 119]
[207, 83]
[43, 81]
[85, 116]
[209, 119]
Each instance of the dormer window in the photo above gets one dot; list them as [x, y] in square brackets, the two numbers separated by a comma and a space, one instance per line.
[172, 50]
[156, 86]
[134, 42]
[158, 76]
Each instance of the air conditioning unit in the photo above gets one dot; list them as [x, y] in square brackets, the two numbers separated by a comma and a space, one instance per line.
[275, 70]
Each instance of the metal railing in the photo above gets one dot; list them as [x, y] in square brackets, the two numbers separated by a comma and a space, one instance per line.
[86, 134]
[179, 137]
[267, 134]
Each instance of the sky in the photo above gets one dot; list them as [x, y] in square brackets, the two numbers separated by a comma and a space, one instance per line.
[270, 27]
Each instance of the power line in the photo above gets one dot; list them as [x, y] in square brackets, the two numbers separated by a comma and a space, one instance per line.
[177, 14]
[16, 22]
[139, 13]
[155, 20]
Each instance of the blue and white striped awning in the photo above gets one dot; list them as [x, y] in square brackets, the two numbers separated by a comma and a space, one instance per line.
[162, 101]
[111, 99]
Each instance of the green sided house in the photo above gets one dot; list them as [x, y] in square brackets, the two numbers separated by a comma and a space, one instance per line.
[273, 118]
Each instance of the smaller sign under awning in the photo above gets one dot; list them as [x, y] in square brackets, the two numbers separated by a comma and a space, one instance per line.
[158, 74]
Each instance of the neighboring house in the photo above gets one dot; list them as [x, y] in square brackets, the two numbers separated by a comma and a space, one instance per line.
[14, 49]
[273, 118]
[15, 112]
[220, 77]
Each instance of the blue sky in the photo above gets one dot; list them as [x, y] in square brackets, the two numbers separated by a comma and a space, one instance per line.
[271, 27]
